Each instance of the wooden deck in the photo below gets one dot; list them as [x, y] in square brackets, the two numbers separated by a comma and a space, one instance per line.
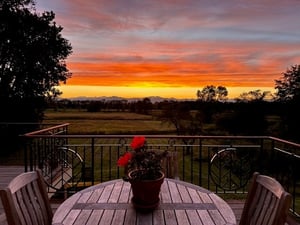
[8, 172]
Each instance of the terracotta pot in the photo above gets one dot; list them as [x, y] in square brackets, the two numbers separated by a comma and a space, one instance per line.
[145, 192]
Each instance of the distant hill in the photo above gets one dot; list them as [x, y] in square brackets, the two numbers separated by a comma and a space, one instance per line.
[153, 99]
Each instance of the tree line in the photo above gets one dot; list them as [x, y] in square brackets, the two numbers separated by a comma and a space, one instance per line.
[196, 117]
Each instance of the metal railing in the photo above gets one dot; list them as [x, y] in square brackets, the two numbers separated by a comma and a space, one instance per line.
[222, 164]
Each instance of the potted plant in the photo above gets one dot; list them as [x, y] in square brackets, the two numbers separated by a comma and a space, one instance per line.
[144, 171]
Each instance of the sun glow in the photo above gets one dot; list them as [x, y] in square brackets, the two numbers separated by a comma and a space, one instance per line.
[148, 85]
[146, 90]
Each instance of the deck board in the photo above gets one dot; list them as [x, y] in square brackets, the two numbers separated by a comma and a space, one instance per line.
[9, 172]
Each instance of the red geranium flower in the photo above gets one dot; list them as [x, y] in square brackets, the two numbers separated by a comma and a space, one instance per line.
[138, 142]
[124, 160]
[146, 161]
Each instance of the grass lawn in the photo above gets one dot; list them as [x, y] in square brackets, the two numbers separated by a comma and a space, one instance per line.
[82, 122]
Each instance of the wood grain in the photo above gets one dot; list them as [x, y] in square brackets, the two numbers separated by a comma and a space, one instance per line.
[110, 203]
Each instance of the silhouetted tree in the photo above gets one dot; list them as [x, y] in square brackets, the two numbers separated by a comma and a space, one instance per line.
[94, 106]
[243, 119]
[288, 86]
[143, 106]
[256, 95]
[288, 93]
[179, 115]
[212, 93]
[32, 54]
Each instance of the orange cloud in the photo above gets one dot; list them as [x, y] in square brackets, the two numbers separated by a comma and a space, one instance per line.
[174, 44]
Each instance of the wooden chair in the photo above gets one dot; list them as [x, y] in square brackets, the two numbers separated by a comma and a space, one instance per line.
[25, 200]
[267, 202]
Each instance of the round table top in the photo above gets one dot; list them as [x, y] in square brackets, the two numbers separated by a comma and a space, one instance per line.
[110, 203]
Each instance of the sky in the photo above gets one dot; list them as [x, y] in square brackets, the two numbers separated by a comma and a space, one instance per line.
[173, 48]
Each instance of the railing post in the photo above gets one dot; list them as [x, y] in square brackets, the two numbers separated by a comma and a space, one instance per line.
[26, 155]
[200, 161]
[93, 160]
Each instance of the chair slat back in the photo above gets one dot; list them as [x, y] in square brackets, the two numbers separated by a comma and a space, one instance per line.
[267, 202]
[25, 200]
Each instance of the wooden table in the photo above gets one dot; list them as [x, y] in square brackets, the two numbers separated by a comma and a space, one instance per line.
[109, 203]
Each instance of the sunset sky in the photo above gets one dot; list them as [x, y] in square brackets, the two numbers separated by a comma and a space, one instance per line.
[141, 48]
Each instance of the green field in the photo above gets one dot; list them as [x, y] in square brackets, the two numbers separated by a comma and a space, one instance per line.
[82, 122]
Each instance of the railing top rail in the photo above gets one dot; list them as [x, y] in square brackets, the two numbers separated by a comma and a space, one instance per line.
[43, 133]
[285, 141]
[36, 134]
[40, 132]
